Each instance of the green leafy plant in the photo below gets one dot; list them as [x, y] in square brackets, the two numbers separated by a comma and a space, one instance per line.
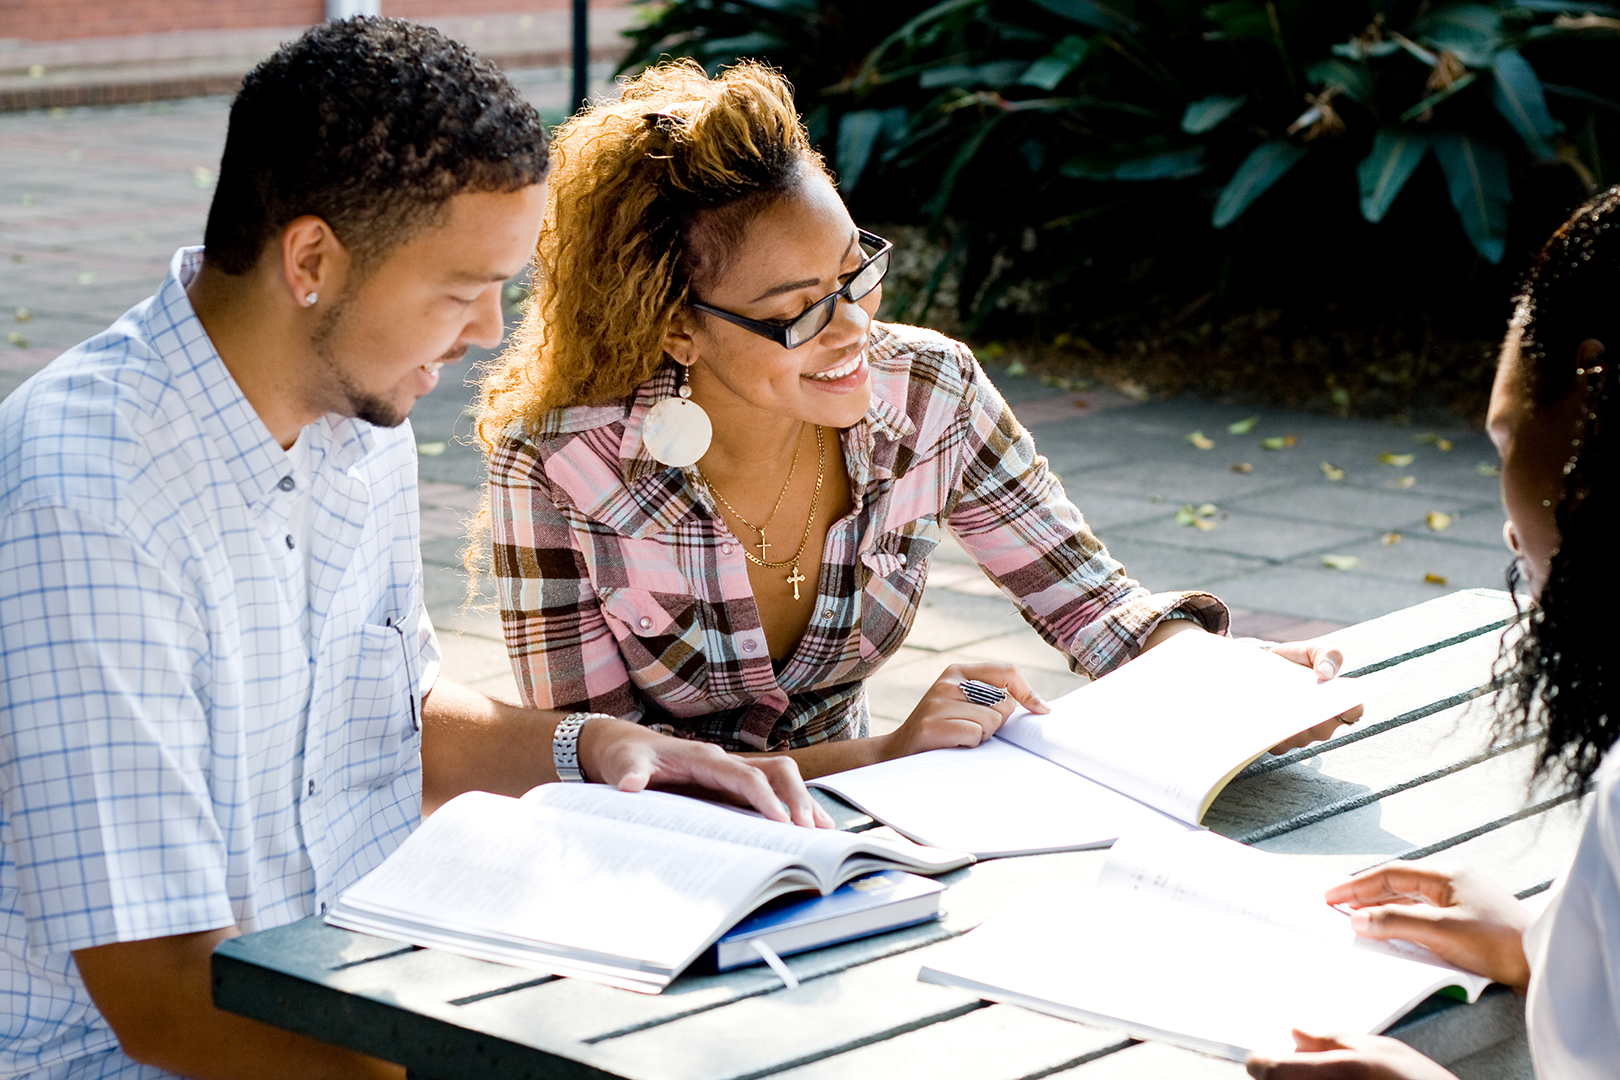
[1067, 153]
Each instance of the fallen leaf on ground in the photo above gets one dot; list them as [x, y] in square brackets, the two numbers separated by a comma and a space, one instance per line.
[1279, 442]
[1438, 522]
[1340, 562]
[1426, 437]
[19, 257]
[22, 314]
[16, 338]
[1400, 461]
[201, 177]
[1205, 524]
[1202, 441]
[1241, 467]
[1243, 427]
[1197, 515]
[1437, 579]
[1017, 368]
[1391, 539]
[1134, 390]
[1406, 482]
[1443, 445]
[86, 278]
[430, 449]
[1332, 471]
[1485, 468]
[1155, 498]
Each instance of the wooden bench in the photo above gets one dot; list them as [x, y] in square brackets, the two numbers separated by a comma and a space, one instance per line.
[1419, 775]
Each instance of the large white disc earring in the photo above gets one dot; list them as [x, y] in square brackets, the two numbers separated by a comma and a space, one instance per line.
[677, 431]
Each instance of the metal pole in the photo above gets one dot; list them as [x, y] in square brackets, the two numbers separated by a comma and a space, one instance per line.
[582, 52]
[343, 9]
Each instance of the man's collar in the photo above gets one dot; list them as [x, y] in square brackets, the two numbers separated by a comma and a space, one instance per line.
[255, 459]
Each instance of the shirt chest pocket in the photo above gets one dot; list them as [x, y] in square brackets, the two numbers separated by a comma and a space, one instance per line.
[661, 641]
[896, 568]
[381, 730]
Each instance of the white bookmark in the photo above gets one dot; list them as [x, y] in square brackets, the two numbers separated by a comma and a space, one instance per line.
[767, 953]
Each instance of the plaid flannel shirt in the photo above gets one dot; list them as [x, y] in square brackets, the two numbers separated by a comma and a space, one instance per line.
[622, 590]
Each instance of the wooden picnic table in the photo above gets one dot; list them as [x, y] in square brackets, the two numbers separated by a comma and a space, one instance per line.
[1416, 776]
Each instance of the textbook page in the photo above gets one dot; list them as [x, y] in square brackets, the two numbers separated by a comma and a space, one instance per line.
[520, 882]
[1155, 951]
[1172, 726]
[994, 799]
[835, 856]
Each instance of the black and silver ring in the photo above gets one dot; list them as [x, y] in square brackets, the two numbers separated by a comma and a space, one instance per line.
[982, 693]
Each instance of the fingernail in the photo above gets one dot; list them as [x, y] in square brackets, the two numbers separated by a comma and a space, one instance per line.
[1360, 922]
[1327, 669]
[1259, 1068]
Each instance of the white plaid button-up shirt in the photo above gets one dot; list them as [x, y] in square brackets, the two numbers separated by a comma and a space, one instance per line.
[175, 754]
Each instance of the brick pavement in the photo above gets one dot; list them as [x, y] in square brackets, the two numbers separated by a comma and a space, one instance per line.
[94, 200]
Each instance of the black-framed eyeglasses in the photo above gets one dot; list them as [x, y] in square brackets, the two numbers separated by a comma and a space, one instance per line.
[790, 335]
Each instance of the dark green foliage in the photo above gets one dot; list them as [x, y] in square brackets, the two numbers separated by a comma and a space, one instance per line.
[1075, 156]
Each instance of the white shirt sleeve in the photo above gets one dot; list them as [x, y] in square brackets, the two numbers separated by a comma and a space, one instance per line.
[104, 742]
[1573, 1010]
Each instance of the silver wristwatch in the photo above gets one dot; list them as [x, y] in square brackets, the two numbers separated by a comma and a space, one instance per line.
[565, 745]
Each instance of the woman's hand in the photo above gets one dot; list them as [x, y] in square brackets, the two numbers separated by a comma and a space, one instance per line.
[1347, 1057]
[944, 717]
[1457, 913]
[1326, 662]
[631, 758]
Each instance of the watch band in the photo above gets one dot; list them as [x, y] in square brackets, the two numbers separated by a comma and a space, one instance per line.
[565, 745]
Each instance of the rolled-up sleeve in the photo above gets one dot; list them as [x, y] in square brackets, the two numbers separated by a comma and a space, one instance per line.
[1013, 518]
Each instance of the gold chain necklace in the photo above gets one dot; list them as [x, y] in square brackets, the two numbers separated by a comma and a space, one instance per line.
[798, 443]
[795, 577]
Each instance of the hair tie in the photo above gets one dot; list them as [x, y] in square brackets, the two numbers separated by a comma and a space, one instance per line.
[664, 127]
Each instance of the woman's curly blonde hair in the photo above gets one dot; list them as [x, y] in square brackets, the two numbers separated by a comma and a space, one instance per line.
[648, 196]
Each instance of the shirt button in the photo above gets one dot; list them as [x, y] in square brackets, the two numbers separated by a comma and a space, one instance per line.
[323, 907]
[287, 483]
[749, 645]
[646, 623]
[312, 787]
[827, 614]
[725, 549]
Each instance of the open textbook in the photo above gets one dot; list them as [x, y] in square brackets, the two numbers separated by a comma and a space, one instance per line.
[1194, 939]
[584, 880]
[1153, 740]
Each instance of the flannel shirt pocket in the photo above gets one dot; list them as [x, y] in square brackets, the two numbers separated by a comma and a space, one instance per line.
[898, 565]
[659, 635]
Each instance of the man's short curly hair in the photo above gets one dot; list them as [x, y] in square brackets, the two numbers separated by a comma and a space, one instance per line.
[371, 124]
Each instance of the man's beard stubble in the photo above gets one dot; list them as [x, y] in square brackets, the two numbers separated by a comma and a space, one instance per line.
[344, 397]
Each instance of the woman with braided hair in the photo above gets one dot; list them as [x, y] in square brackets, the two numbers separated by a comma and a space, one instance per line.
[716, 480]
[1550, 412]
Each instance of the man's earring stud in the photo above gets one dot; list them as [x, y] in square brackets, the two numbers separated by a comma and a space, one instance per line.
[310, 298]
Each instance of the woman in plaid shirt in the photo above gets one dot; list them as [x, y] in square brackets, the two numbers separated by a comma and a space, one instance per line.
[693, 239]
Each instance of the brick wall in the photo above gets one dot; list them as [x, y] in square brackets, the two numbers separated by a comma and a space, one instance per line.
[58, 20]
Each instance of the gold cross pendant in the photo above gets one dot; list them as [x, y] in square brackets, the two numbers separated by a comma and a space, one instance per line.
[794, 579]
[762, 545]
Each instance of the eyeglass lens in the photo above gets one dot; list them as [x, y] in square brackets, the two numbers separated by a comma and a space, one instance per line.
[860, 286]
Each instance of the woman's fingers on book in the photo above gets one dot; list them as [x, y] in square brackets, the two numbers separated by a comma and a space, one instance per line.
[1457, 913]
[1346, 1057]
[1319, 656]
[1007, 677]
[771, 785]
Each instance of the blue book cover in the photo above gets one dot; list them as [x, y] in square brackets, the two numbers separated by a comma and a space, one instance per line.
[871, 904]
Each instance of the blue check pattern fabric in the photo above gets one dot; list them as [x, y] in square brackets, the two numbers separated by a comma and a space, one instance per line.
[190, 738]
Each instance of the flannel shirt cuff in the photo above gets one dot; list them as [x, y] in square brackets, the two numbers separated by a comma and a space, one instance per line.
[1118, 637]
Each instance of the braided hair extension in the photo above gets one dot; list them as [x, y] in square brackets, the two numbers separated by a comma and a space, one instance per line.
[1561, 672]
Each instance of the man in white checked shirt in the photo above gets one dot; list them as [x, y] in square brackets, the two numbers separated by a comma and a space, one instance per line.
[219, 701]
